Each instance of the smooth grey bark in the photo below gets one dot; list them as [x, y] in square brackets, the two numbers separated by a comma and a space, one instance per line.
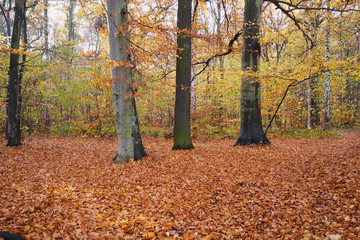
[251, 130]
[327, 81]
[46, 58]
[126, 119]
[13, 124]
[182, 130]
[46, 30]
[71, 20]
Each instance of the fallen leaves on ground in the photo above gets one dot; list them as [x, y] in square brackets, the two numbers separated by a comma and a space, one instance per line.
[69, 188]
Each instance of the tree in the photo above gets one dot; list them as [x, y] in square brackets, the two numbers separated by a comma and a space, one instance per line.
[251, 130]
[126, 119]
[13, 128]
[182, 130]
[327, 78]
[6, 15]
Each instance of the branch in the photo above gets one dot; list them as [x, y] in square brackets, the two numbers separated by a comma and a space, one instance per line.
[6, 19]
[293, 18]
[294, 83]
[226, 16]
[298, 7]
[33, 5]
[207, 62]
[195, 9]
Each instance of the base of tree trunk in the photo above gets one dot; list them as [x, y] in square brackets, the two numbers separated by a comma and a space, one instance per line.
[13, 143]
[120, 159]
[139, 151]
[183, 147]
[248, 140]
[10, 236]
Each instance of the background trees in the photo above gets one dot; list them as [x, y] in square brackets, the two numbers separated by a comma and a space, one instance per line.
[72, 88]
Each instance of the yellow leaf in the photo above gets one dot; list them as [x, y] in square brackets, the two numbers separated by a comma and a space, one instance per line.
[150, 235]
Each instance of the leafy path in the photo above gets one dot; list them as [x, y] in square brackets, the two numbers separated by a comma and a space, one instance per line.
[68, 188]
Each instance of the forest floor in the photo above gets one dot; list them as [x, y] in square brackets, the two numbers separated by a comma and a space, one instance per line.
[69, 188]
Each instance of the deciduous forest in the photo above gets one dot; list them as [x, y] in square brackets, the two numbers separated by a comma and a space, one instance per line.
[180, 119]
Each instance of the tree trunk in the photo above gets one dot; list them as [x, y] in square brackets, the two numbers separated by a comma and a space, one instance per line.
[13, 128]
[314, 103]
[71, 30]
[251, 125]
[327, 81]
[126, 120]
[182, 130]
[47, 122]
[46, 30]
[139, 150]
[7, 27]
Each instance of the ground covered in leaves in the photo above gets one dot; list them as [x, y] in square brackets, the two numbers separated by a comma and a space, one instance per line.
[69, 188]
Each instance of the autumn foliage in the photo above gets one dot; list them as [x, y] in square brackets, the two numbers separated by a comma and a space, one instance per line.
[68, 188]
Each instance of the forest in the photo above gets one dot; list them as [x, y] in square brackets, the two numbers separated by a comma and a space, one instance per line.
[232, 119]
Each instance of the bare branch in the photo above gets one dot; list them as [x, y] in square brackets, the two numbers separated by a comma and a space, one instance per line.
[294, 83]
[298, 7]
[207, 62]
[290, 14]
[195, 10]
[226, 16]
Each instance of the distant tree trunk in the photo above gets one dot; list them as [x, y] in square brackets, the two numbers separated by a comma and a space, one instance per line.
[308, 104]
[327, 81]
[126, 119]
[46, 30]
[251, 124]
[182, 130]
[6, 15]
[71, 22]
[314, 103]
[13, 128]
[193, 95]
[46, 58]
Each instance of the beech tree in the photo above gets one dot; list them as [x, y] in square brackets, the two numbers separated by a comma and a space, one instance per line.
[13, 128]
[251, 130]
[126, 119]
[327, 77]
[182, 130]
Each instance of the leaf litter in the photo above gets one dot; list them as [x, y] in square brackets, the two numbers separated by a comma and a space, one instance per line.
[69, 188]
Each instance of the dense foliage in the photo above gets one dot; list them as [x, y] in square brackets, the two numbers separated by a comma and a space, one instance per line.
[66, 89]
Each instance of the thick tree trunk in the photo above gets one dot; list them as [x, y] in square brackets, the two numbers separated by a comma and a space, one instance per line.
[251, 124]
[13, 128]
[182, 130]
[126, 120]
